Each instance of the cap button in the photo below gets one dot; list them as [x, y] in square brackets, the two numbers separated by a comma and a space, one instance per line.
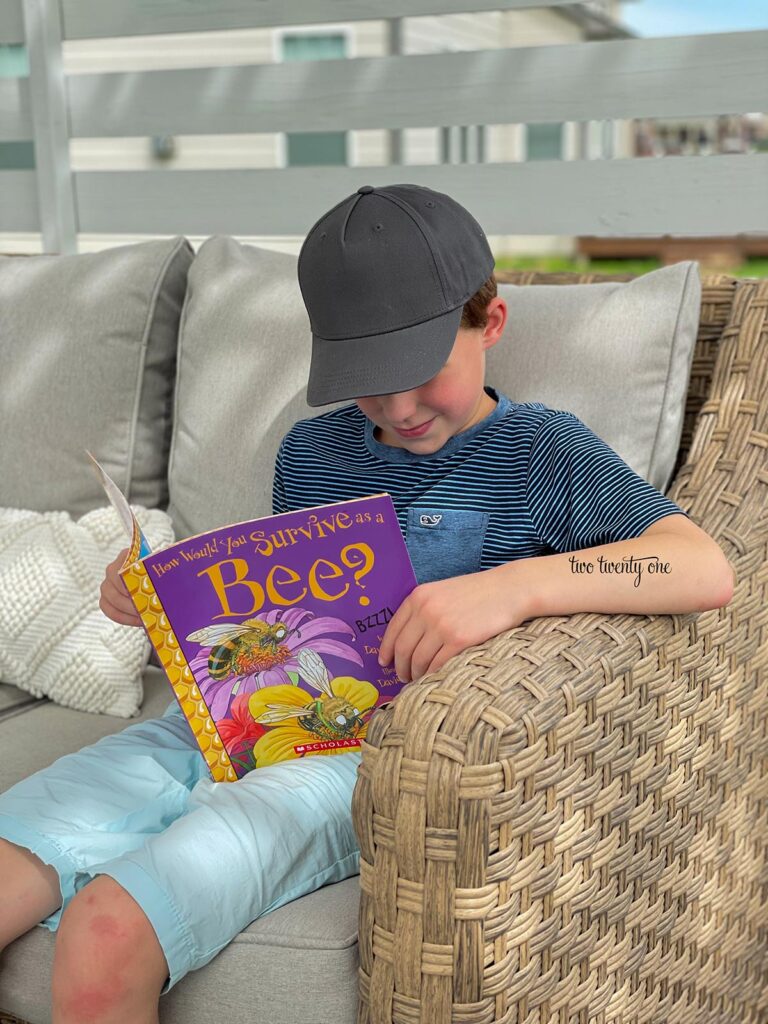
[365, 189]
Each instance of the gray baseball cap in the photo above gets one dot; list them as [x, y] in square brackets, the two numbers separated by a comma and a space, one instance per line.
[384, 275]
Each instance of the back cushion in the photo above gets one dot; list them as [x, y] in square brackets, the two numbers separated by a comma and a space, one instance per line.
[88, 353]
[616, 354]
[244, 356]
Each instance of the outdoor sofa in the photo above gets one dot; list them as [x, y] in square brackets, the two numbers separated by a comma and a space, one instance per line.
[568, 822]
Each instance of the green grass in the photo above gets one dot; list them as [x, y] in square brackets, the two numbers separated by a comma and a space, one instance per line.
[750, 268]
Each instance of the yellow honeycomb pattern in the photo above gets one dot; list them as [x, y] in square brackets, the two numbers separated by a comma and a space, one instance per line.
[176, 668]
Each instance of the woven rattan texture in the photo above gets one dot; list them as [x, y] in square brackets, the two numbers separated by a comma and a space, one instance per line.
[569, 823]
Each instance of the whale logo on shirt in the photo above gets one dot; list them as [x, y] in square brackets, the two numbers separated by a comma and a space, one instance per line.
[427, 520]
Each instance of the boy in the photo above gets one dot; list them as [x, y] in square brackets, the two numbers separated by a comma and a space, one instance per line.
[491, 496]
[484, 487]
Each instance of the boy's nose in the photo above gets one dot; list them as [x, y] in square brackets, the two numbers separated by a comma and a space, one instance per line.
[401, 407]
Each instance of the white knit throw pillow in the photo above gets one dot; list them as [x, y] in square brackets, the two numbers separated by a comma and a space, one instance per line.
[55, 641]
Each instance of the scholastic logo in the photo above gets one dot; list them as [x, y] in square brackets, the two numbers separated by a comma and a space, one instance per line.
[306, 748]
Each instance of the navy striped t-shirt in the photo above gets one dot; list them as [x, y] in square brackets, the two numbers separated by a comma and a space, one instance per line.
[527, 480]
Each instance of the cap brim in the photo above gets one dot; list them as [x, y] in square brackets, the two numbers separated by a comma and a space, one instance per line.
[381, 364]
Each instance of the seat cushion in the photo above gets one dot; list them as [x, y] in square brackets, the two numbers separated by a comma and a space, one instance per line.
[296, 965]
[13, 701]
[34, 733]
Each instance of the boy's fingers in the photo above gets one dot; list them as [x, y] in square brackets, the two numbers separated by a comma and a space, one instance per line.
[117, 597]
[124, 617]
[114, 599]
[114, 567]
[120, 617]
[113, 571]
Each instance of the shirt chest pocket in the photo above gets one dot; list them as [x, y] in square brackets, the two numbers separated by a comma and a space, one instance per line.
[445, 542]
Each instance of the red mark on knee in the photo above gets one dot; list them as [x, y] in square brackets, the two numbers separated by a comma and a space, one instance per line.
[91, 1004]
[107, 927]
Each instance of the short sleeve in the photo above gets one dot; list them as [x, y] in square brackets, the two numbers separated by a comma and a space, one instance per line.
[581, 493]
[279, 502]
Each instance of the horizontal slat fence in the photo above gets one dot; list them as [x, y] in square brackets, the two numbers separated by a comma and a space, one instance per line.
[679, 196]
[688, 76]
[96, 19]
[678, 76]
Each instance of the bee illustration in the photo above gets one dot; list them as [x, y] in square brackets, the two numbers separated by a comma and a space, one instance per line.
[328, 716]
[242, 647]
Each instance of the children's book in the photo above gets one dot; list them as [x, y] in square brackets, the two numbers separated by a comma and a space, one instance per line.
[269, 630]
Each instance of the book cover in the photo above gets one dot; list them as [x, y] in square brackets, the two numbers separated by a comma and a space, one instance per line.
[269, 630]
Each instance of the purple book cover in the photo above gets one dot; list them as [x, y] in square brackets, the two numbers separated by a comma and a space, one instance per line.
[274, 626]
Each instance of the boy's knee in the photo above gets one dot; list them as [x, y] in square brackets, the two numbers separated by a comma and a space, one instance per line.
[104, 943]
[102, 912]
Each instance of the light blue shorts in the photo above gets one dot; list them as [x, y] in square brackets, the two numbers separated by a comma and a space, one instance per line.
[202, 859]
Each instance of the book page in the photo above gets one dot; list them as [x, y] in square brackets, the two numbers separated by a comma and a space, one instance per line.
[138, 545]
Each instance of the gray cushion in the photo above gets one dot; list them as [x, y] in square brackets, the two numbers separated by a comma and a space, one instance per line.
[12, 699]
[244, 351]
[35, 734]
[616, 353]
[296, 965]
[88, 350]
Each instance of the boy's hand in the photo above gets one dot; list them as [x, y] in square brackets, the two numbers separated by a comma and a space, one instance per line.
[115, 600]
[438, 620]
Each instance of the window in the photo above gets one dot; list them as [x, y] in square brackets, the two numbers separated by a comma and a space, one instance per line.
[306, 149]
[13, 61]
[15, 156]
[544, 141]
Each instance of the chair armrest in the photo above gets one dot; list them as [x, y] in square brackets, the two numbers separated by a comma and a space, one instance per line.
[561, 816]
[723, 484]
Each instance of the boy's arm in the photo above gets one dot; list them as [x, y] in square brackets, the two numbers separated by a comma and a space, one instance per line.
[673, 567]
[579, 493]
[439, 619]
[588, 505]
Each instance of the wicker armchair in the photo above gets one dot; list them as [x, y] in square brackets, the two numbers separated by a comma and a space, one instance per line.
[570, 822]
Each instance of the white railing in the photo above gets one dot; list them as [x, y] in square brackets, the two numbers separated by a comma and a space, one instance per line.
[697, 75]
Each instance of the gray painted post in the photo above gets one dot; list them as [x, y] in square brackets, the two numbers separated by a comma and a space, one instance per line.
[395, 31]
[48, 102]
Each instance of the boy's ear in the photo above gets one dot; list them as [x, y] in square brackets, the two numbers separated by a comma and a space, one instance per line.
[497, 319]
